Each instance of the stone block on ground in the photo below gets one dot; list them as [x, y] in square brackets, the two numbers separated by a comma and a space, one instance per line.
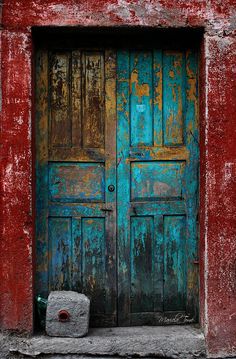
[67, 314]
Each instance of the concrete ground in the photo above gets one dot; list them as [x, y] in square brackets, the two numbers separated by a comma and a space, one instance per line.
[148, 342]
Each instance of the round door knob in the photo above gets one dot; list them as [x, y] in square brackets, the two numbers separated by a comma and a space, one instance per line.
[111, 188]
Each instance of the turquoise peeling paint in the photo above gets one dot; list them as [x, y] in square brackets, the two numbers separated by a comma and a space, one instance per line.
[156, 180]
[76, 182]
[156, 199]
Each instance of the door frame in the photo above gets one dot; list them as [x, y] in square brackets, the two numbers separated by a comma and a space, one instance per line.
[166, 37]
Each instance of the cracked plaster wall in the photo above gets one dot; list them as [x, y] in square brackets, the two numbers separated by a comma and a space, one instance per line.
[218, 146]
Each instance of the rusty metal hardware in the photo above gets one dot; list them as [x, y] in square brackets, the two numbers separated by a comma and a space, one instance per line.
[63, 316]
[111, 188]
[106, 209]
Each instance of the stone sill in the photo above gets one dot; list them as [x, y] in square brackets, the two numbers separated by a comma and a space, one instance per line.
[185, 341]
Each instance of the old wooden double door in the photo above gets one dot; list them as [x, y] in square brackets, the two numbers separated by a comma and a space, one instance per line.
[117, 181]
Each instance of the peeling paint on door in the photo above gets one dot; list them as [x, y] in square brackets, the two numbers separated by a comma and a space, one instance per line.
[152, 278]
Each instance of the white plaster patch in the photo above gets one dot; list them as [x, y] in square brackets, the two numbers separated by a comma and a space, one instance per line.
[229, 174]
[67, 12]
[29, 249]
[228, 171]
[19, 120]
[8, 178]
[121, 9]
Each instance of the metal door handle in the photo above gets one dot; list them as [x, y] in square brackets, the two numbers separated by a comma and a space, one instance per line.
[111, 188]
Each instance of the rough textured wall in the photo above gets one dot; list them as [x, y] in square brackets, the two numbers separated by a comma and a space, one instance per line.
[218, 148]
[16, 182]
[220, 197]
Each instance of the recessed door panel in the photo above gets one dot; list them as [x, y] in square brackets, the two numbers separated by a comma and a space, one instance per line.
[155, 180]
[76, 182]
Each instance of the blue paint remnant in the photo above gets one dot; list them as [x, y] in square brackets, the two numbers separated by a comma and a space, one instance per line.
[153, 164]
[157, 198]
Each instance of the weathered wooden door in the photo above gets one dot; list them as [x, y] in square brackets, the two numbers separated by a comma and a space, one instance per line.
[157, 202]
[76, 163]
[145, 271]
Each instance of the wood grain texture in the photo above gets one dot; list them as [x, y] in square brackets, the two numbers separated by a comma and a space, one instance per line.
[59, 232]
[60, 124]
[93, 99]
[110, 173]
[157, 97]
[93, 262]
[76, 245]
[191, 178]
[173, 98]
[156, 180]
[174, 263]
[76, 98]
[141, 249]
[130, 121]
[157, 185]
[123, 187]
[42, 134]
[141, 88]
[76, 182]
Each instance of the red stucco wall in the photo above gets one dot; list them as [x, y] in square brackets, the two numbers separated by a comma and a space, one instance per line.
[218, 147]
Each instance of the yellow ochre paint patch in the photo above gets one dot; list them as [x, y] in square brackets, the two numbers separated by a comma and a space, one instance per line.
[158, 91]
[171, 74]
[140, 89]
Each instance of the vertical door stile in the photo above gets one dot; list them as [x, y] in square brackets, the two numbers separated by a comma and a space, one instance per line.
[158, 264]
[60, 126]
[76, 142]
[157, 97]
[158, 248]
[191, 176]
[123, 188]
[110, 155]
[42, 275]
[76, 106]
[76, 255]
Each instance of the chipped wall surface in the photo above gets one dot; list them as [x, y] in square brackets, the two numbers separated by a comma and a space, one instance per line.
[218, 146]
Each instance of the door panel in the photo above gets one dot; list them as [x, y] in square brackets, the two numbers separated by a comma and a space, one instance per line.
[127, 119]
[157, 203]
[141, 249]
[76, 182]
[173, 95]
[141, 87]
[174, 263]
[156, 180]
[76, 214]
[59, 232]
